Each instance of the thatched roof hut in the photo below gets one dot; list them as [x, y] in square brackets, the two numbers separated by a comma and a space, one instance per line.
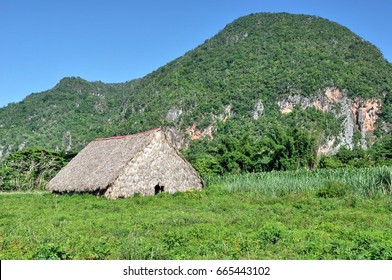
[144, 163]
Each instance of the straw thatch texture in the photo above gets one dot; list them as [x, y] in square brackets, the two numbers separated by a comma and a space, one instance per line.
[123, 166]
[158, 164]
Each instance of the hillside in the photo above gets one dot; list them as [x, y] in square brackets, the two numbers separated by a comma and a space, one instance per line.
[242, 80]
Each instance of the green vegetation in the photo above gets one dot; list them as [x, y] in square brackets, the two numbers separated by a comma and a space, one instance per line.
[270, 147]
[260, 57]
[31, 169]
[227, 220]
[275, 147]
[64, 118]
[365, 182]
[379, 154]
[335, 212]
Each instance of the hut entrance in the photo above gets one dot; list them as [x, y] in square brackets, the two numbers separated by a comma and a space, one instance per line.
[159, 189]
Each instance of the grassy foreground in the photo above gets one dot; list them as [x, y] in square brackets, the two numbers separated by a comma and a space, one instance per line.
[211, 224]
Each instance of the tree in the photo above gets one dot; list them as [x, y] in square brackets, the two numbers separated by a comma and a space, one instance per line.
[31, 169]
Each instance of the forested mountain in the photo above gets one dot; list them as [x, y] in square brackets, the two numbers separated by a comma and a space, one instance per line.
[63, 118]
[293, 86]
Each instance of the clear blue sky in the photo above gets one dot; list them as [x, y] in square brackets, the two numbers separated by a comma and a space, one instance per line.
[42, 41]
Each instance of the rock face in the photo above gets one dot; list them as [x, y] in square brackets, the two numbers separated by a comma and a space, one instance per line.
[173, 114]
[4, 151]
[227, 114]
[195, 133]
[357, 114]
[67, 141]
[366, 113]
[258, 111]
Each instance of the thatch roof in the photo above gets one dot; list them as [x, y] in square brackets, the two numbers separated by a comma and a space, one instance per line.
[99, 163]
[97, 167]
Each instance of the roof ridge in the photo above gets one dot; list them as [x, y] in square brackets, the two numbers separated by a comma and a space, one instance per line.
[129, 135]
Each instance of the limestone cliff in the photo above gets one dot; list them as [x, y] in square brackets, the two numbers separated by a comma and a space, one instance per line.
[358, 114]
[195, 133]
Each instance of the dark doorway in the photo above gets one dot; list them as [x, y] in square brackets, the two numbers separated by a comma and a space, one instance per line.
[159, 189]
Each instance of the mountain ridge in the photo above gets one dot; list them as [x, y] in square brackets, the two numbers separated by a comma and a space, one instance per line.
[254, 62]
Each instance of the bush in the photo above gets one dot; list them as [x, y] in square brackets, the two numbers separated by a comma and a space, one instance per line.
[333, 189]
[51, 251]
[31, 169]
[271, 234]
[330, 163]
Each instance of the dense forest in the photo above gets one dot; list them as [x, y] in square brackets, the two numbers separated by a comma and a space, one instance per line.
[231, 84]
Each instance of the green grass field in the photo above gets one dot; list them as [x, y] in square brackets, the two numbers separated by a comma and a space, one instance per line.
[234, 217]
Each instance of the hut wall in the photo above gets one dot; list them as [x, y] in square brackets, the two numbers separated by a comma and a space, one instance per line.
[158, 164]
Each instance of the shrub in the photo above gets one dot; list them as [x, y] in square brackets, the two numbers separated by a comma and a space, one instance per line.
[271, 233]
[31, 169]
[333, 189]
[51, 251]
[330, 163]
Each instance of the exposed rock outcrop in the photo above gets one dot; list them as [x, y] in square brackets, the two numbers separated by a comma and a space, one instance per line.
[365, 116]
[196, 133]
[67, 141]
[173, 114]
[358, 113]
[227, 114]
[258, 111]
[5, 151]
[22, 145]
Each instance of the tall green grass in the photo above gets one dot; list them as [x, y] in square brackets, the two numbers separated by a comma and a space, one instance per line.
[195, 225]
[226, 220]
[360, 181]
